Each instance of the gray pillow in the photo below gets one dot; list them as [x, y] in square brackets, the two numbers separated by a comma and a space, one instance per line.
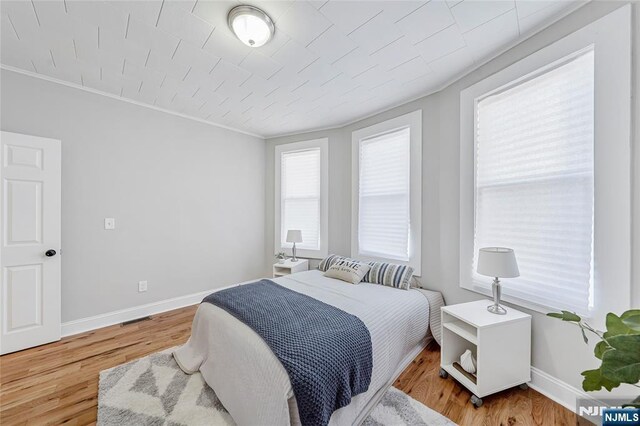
[389, 274]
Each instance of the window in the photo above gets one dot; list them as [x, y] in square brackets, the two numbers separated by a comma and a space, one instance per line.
[301, 199]
[534, 181]
[540, 158]
[386, 191]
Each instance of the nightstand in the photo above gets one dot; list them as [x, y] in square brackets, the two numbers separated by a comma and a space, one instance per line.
[290, 267]
[501, 345]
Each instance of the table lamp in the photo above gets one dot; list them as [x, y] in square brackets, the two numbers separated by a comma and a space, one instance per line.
[294, 236]
[497, 262]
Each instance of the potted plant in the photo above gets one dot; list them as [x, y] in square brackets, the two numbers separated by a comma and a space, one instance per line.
[281, 256]
[618, 351]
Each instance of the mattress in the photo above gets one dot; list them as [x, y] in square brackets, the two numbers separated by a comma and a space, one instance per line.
[253, 385]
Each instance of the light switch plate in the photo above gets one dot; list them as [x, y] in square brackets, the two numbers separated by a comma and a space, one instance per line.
[142, 286]
[109, 223]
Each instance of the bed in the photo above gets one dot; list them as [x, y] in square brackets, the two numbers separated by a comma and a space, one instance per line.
[253, 385]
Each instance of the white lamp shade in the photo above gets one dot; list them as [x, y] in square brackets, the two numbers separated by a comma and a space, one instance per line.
[497, 262]
[294, 236]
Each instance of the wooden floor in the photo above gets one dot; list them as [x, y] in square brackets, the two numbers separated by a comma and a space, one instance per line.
[58, 383]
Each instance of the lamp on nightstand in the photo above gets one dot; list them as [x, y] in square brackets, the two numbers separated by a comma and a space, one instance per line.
[497, 262]
[294, 236]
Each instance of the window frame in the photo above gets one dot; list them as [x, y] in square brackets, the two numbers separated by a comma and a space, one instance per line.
[413, 121]
[323, 145]
[612, 164]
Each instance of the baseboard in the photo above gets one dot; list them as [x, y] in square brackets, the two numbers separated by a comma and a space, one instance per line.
[104, 320]
[556, 390]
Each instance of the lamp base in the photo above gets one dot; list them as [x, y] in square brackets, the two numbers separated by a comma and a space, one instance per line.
[496, 309]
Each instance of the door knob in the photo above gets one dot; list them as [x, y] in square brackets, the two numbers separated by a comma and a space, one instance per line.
[50, 253]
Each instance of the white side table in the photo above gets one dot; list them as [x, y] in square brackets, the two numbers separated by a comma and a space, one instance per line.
[290, 267]
[501, 345]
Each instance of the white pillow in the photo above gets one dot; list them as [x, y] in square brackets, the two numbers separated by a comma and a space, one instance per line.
[347, 270]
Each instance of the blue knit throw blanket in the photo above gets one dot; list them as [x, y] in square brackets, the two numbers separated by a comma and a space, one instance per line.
[326, 351]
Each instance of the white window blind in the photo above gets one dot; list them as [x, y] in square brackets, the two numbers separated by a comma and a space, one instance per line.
[535, 183]
[383, 216]
[300, 196]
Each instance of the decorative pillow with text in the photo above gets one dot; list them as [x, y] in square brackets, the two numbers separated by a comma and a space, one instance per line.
[347, 270]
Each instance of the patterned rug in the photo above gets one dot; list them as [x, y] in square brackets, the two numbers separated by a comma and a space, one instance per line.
[154, 391]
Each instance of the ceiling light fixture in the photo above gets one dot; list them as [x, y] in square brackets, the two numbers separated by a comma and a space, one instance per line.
[251, 25]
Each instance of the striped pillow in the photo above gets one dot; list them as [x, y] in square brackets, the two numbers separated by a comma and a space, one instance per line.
[326, 263]
[389, 274]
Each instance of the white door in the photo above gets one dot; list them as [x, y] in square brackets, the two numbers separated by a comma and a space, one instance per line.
[30, 241]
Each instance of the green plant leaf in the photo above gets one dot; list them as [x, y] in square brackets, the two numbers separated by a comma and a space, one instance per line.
[616, 326]
[584, 335]
[635, 403]
[565, 316]
[622, 363]
[601, 348]
[632, 319]
[594, 381]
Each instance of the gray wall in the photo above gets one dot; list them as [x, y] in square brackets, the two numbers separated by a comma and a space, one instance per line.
[188, 198]
[557, 347]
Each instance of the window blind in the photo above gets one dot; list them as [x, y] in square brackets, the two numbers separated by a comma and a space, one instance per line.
[300, 197]
[535, 183]
[383, 215]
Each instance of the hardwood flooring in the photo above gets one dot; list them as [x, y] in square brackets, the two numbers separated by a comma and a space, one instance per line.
[58, 383]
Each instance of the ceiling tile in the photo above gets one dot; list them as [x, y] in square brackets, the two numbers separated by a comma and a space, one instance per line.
[99, 14]
[349, 15]
[426, 21]
[470, 14]
[536, 19]
[175, 69]
[274, 8]
[488, 38]
[215, 12]
[303, 22]
[257, 63]
[279, 39]
[198, 59]
[149, 37]
[410, 70]
[529, 7]
[332, 45]
[452, 64]
[395, 10]
[146, 11]
[183, 24]
[23, 19]
[375, 34]
[229, 73]
[395, 53]
[441, 43]
[52, 14]
[226, 47]
[294, 56]
[356, 62]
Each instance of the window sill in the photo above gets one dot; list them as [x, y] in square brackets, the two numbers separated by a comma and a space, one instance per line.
[480, 288]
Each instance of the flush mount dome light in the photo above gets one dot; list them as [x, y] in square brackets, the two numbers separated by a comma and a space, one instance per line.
[251, 25]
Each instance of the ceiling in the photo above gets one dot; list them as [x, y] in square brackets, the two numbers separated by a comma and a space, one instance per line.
[330, 62]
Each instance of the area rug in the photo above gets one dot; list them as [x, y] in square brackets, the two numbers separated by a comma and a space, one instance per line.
[154, 391]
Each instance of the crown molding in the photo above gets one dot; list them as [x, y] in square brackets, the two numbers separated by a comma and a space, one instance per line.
[130, 101]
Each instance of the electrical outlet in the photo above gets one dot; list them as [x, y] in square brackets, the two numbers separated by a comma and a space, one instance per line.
[142, 286]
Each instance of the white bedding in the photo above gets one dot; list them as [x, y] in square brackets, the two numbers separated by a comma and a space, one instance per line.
[254, 386]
